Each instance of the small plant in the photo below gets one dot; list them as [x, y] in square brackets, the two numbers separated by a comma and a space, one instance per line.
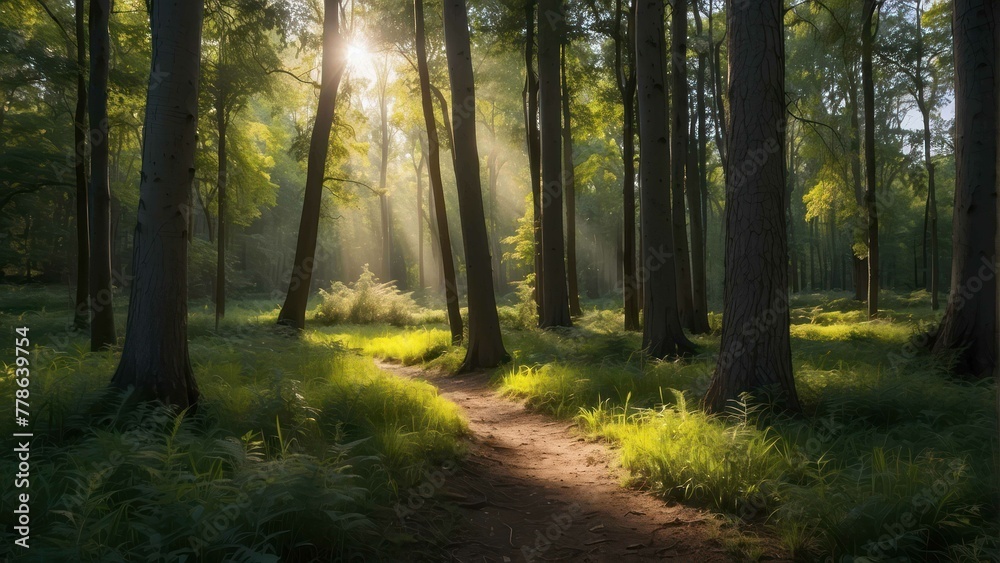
[367, 301]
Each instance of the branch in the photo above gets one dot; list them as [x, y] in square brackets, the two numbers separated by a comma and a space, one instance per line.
[373, 190]
[312, 83]
[56, 20]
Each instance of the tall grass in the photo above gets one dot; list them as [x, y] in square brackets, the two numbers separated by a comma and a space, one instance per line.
[298, 452]
[891, 460]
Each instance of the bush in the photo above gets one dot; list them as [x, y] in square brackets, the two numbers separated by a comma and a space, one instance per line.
[367, 301]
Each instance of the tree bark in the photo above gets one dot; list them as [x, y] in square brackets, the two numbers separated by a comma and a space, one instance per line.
[485, 341]
[718, 106]
[293, 312]
[420, 220]
[555, 297]
[871, 203]
[530, 96]
[385, 230]
[222, 124]
[626, 80]
[699, 247]
[931, 215]
[860, 264]
[930, 211]
[662, 335]
[155, 359]
[699, 311]
[81, 313]
[569, 179]
[755, 355]
[969, 322]
[102, 323]
[680, 183]
[434, 174]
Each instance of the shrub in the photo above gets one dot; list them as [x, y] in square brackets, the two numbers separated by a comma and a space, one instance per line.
[367, 301]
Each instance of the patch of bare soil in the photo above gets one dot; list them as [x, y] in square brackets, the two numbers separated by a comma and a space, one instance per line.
[533, 489]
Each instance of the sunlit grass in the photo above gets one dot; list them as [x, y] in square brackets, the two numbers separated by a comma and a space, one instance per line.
[408, 347]
[884, 428]
[299, 449]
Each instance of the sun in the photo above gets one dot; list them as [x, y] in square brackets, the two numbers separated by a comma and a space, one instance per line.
[359, 57]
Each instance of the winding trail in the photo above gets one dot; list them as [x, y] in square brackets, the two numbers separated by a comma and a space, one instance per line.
[533, 489]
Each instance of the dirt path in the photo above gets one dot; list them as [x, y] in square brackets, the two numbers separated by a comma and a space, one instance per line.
[532, 489]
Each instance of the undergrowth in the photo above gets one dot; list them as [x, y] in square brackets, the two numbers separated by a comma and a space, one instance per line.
[891, 459]
[298, 452]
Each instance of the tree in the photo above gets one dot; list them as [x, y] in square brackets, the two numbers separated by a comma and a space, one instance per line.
[569, 180]
[385, 136]
[662, 334]
[81, 313]
[293, 312]
[755, 354]
[418, 170]
[871, 206]
[155, 359]
[434, 173]
[697, 192]
[485, 348]
[237, 70]
[678, 160]
[921, 57]
[102, 324]
[969, 322]
[530, 100]
[555, 297]
[625, 80]
[695, 320]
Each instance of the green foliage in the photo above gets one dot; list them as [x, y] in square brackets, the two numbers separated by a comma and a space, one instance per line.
[299, 450]
[367, 301]
[892, 459]
[414, 346]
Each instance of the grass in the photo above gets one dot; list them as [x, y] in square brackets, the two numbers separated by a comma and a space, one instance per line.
[892, 459]
[300, 450]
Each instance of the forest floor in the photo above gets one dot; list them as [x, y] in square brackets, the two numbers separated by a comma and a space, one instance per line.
[534, 489]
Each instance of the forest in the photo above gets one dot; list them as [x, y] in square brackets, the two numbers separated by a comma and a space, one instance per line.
[499, 280]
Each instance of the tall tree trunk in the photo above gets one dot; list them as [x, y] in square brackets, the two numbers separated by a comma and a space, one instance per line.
[385, 230]
[695, 320]
[102, 324]
[570, 186]
[931, 215]
[860, 264]
[699, 311]
[626, 80]
[970, 318]
[756, 280]
[871, 204]
[718, 105]
[555, 296]
[385, 238]
[81, 313]
[493, 180]
[420, 220]
[793, 264]
[930, 209]
[293, 312]
[155, 359]
[530, 96]
[220, 263]
[434, 174]
[812, 255]
[700, 247]
[662, 335]
[485, 341]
